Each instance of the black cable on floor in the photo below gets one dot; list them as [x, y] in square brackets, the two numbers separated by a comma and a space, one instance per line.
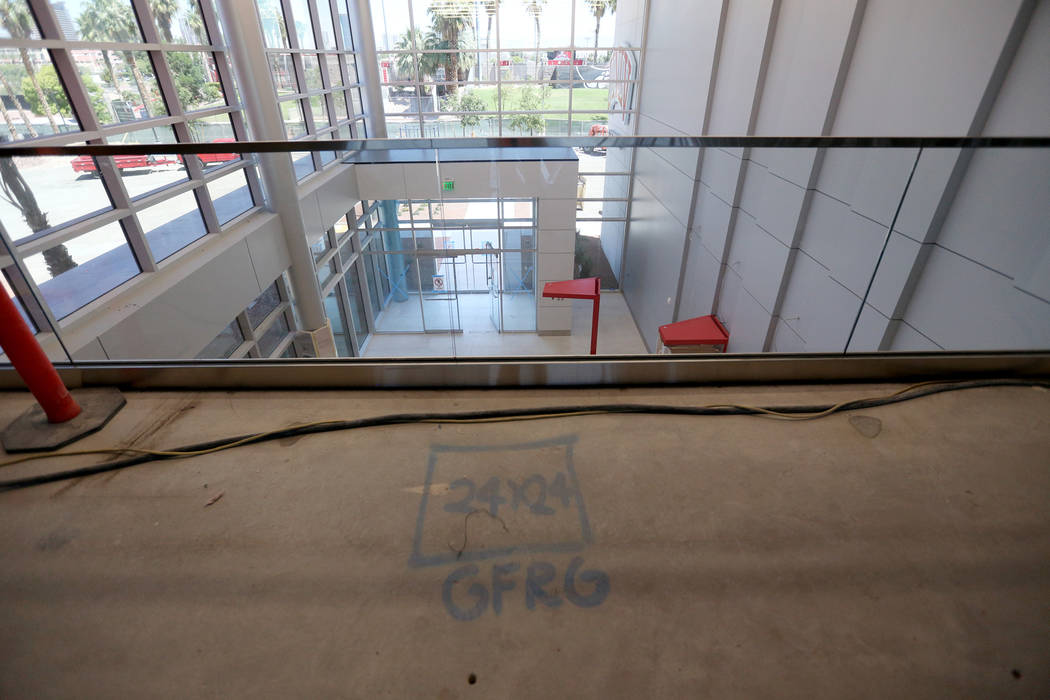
[516, 414]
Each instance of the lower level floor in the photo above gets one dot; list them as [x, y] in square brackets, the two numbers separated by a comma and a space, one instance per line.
[617, 333]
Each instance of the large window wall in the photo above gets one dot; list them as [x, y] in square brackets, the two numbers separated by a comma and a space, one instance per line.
[314, 72]
[112, 72]
[501, 68]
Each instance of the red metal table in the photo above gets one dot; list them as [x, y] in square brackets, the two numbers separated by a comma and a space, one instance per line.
[702, 330]
[586, 288]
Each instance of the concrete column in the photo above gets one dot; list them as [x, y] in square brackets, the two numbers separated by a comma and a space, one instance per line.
[244, 37]
[368, 67]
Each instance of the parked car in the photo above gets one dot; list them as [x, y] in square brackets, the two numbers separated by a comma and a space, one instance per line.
[211, 158]
[597, 130]
[86, 164]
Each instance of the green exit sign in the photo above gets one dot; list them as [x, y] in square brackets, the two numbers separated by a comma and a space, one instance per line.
[448, 185]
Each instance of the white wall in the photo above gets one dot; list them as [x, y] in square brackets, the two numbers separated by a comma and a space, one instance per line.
[783, 244]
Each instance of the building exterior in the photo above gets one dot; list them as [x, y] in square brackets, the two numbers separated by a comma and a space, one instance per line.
[806, 250]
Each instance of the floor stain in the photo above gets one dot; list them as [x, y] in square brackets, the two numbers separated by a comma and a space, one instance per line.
[868, 426]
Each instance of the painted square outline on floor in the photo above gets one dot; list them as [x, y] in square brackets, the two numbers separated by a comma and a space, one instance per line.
[419, 559]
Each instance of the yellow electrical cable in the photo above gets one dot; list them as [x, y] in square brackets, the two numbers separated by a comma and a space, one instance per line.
[496, 419]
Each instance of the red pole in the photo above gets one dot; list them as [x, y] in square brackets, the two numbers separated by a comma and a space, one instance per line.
[25, 353]
[594, 323]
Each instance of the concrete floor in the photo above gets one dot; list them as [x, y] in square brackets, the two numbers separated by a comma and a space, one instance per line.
[731, 557]
[617, 335]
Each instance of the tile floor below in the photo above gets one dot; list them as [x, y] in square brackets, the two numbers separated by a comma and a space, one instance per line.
[617, 334]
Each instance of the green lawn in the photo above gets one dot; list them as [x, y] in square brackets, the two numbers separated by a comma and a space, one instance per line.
[583, 99]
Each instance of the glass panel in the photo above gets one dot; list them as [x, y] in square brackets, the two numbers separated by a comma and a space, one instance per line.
[355, 101]
[49, 192]
[335, 73]
[342, 229]
[391, 23]
[283, 73]
[596, 124]
[534, 23]
[320, 247]
[327, 156]
[335, 319]
[343, 11]
[289, 353]
[319, 110]
[518, 239]
[275, 32]
[303, 163]
[231, 196]
[4, 277]
[312, 71]
[400, 311]
[144, 174]
[223, 345]
[26, 115]
[177, 23]
[217, 128]
[592, 97]
[536, 125]
[18, 21]
[325, 273]
[105, 20]
[398, 67]
[196, 80]
[172, 225]
[518, 66]
[595, 26]
[294, 121]
[326, 29]
[135, 94]
[263, 305]
[357, 305]
[303, 25]
[341, 113]
[82, 269]
[351, 67]
[273, 336]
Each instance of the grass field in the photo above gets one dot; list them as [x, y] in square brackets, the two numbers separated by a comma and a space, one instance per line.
[583, 99]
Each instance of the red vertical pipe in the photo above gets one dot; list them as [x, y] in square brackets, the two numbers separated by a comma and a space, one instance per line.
[25, 353]
[594, 322]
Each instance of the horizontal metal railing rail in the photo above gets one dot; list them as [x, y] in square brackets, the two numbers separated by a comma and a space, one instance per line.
[512, 372]
[242, 147]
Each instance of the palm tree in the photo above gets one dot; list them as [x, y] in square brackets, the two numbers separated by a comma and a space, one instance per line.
[406, 63]
[164, 13]
[92, 23]
[19, 24]
[196, 21]
[112, 20]
[535, 8]
[598, 8]
[18, 105]
[16, 191]
[449, 18]
[491, 8]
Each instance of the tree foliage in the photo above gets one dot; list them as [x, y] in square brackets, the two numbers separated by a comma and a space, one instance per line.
[191, 81]
[532, 99]
[55, 94]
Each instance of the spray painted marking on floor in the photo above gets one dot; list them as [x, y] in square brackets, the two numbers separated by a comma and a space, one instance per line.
[481, 502]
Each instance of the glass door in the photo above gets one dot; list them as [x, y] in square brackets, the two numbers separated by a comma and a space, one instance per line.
[440, 274]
